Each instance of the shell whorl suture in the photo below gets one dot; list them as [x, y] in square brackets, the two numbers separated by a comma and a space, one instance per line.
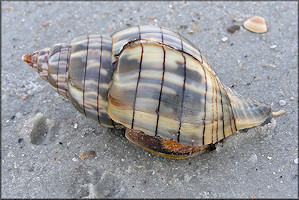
[151, 81]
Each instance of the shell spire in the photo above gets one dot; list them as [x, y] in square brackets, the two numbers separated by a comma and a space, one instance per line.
[38, 61]
[248, 112]
[28, 58]
[52, 65]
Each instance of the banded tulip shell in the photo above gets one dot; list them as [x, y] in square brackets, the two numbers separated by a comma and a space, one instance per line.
[151, 81]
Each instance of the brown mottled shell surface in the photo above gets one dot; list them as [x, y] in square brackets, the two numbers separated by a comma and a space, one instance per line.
[152, 81]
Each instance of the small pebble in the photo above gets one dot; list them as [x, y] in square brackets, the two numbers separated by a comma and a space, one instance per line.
[75, 159]
[83, 156]
[288, 148]
[271, 66]
[20, 140]
[46, 24]
[182, 27]
[280, 170]
[190, 31]
[9, 8]
[273, 46]
[91, 153]
[253, 158]
[282, 102]
[296, 161]
[224, 38]
[195, 28]
[233, 28]
[75, 125]
[269, 157]
[106, 192]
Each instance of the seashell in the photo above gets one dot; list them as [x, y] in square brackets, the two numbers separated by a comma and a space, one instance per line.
[256, 24]
[278, 113]
[154, 83]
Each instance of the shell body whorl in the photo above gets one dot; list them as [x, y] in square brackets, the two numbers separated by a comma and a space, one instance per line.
[148, 79]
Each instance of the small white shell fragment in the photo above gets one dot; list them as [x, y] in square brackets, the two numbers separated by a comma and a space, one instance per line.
[278, 113]
[273, 46]
[269, 157]
[256, 24]
[296, 161]
[75, 125]
[271, 66]
[224, 38]
[282, 102]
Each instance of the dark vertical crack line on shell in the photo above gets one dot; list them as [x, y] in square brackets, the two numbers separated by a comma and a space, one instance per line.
[66, 71]
[229, 107]
[233, 116]
[213, 89]
[162, 83]
[162, 35]
[216, 109]
[113, 123]
[58, 64]
[139, 33]
[201, 61]
[69, 66]
[99, 76]
[221, 109]
[182, 101]
[136, 90]
[182, 47]
[205, 108]
[85, 74]
[114, 63]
